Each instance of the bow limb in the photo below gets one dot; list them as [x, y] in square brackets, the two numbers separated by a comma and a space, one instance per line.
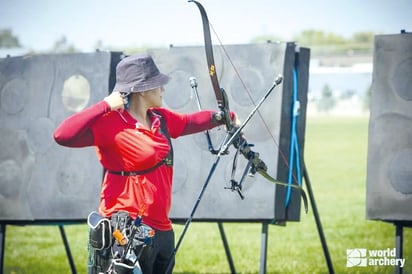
[263, 173]
[220, 94]
[221, 97]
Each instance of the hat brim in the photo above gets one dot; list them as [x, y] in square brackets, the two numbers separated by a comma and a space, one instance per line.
[152, 83]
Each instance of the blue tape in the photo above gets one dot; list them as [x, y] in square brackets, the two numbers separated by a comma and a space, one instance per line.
[294, 152]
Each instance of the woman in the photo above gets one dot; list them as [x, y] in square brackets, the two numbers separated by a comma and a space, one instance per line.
[131, 133]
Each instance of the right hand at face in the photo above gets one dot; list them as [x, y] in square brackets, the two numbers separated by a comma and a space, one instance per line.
[115, 100]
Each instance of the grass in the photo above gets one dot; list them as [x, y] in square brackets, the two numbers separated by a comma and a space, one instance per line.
[335, 156]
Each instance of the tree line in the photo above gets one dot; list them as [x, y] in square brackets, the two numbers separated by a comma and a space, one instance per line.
[319, 42]
[328, 42]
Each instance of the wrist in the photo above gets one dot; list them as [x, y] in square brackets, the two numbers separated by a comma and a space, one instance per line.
[106, 105]
[217, 117]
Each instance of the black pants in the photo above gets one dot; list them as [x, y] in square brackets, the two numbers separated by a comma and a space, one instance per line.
[157, 261]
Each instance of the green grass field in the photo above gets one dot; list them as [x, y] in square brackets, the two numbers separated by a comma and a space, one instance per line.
[335, 156]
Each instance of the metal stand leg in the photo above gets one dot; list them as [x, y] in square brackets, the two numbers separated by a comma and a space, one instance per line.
[317, 220]
[2, 245]
[263, 248]
[227, 248]
[67, 247]
[399, 245]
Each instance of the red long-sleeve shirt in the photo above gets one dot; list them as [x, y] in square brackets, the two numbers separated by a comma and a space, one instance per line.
[122, 144]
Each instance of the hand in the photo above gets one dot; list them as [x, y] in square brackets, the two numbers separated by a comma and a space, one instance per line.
[218, 118]
[115, 100]
[235, 119]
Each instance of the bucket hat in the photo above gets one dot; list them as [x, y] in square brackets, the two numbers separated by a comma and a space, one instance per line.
[137, 73]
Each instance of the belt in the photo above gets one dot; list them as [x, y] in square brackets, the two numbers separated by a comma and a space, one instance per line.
[126, 173]
[134, 173]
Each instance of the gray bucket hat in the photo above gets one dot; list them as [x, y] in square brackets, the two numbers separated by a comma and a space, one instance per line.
[137, 73]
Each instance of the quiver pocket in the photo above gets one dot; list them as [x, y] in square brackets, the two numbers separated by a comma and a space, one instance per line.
[100, 235]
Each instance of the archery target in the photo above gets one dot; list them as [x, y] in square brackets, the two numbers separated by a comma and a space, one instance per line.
[40, 180]
[389, 166]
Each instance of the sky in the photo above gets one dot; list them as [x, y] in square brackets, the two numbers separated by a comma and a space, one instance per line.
[38, 24]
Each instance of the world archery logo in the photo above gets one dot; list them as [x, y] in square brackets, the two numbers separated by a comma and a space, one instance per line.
[356, 257]
[373, 257]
